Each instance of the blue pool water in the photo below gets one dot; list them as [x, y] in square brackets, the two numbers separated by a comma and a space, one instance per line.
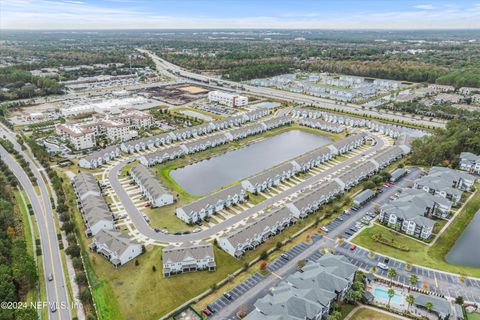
[383, 295]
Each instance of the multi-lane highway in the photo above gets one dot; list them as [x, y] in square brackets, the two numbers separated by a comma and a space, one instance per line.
[143, 227]
[51, 255]
[165, 67]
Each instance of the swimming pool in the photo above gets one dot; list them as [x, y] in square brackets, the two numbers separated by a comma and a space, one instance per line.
[382, 294]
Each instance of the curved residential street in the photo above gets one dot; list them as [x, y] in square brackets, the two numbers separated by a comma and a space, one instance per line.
[146, 230]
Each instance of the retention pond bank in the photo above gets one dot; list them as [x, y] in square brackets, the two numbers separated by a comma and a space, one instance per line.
[206, 176]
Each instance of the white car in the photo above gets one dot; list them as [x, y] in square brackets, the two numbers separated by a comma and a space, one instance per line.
[382, 266]
[324, 228]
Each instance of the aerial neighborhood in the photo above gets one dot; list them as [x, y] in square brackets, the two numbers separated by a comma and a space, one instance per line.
[260, 172]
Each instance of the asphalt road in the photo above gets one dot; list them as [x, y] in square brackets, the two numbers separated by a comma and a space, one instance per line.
[145, 229]
[51, 256]
[166, 67]
[263, 287]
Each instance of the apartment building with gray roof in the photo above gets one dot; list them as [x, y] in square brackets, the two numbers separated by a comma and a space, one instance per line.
[116, 247]
[203, 208]
[156, 193]
[308, 294]
[188, 257]
[94, 209]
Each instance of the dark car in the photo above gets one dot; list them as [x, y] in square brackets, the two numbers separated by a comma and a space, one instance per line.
[210, 308]
[386, 260]
[285, 256]
[157, 230]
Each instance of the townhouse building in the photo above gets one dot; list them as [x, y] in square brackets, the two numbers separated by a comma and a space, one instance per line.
[204, 207]
[100, 157]
[446, 182]
[95, 211]
[310, 203]
[156, 193]
[441, 88]
[269, 178]
[469, 162]
[116, 247]
[256, 230]
[353, 176]
[308, 294]
[161, 156]
[207, 142]
[313, 159]
[322, 125]
[188, 257]
[347, 144]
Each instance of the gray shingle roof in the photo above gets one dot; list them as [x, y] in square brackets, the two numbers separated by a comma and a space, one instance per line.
[257, 226]
[212, 199]
[440, 306]
[202, 250]
[115, 241]
[149, 181]
[364, 196]
[84, 183]
[305, 295]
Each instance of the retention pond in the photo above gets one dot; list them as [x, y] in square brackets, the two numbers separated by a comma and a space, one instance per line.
[206, 176]
[466, 250]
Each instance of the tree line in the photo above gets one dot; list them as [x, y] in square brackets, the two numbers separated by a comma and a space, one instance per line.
[444, 146]
[18, 272]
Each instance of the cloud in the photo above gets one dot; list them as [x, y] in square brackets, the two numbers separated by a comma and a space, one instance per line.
[73, 14]
[425, 7]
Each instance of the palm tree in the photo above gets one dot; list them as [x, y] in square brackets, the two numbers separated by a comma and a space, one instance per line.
[390, 294]
[410, 300]
[429, 306]
[392, 273]
[413, 279]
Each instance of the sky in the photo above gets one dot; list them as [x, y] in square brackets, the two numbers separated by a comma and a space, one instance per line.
[239, 14]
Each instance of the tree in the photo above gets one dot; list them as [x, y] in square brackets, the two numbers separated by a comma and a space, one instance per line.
[301, 263]
[263, 265]
[391, 294]
[85, 295]
[392, 273]
[264, 255]
[81, 278]
[335, 315]
[410, 300]
[353, 296]
[429, 306]
[459, 300]
[413, 279]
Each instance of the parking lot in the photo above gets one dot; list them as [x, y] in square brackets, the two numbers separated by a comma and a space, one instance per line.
[273, 266]
[439, 283]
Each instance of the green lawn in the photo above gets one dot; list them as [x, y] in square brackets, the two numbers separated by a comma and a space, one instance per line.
[422, 254]
[209, 114]
[141, 293]
[369, 314]
[165, 218]
[473, 316]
